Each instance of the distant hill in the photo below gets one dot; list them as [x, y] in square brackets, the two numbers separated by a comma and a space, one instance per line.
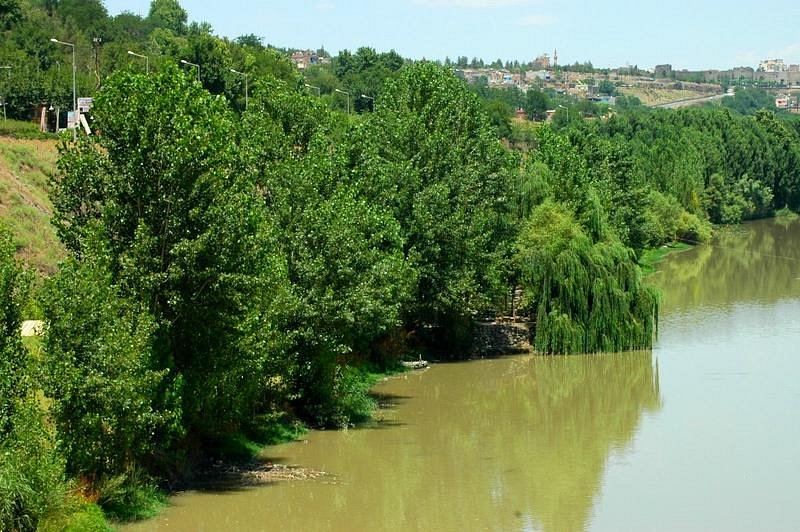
[26, 165]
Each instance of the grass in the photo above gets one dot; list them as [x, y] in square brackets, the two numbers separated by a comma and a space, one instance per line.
[26, 167]
[651, 257]
[656, 96]
[23, 130]
[271, 429]
[130, 497]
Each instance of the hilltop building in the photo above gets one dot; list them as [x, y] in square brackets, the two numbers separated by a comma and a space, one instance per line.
[663, 71]
[542, 62]
[303, 60]
[772, 65]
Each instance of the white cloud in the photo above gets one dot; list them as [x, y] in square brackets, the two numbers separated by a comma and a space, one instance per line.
[480, 4]
[325, 6]
[536, 20]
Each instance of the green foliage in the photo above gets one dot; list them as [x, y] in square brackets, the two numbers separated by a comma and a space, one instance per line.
[10, 13]
[22, 130]
[344, 253]
[450, 189]
[168, 14]
[32, 485]
[130, 496]
[186, 239]
[586, 297]
[364, 73]
[500, 115]
[100, 374]
[748, 100]
[13, 360]
[537, 103]
[651, 257]
[607, 87]
[86, 518]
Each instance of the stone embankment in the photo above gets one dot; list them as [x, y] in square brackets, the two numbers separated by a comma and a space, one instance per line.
[497, 338]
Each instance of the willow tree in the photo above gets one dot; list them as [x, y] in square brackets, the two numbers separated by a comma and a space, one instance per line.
[586, 296]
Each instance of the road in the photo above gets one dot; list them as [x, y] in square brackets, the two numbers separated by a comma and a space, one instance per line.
[688, 102]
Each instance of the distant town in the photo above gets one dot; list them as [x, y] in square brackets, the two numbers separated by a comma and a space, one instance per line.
[659, 86]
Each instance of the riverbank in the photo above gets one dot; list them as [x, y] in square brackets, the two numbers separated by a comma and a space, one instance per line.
[651, 257]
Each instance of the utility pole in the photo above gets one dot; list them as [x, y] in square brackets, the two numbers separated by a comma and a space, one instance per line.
[97, 41]
[348, 98]
[74, 88]
[7, 68]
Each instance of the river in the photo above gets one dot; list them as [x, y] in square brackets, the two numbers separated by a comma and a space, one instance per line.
[702, 433]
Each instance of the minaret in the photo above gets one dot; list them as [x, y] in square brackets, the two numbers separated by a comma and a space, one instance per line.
[555, 58]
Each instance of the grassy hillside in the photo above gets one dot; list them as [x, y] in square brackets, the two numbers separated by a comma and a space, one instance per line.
[652, 96]
[25, 168]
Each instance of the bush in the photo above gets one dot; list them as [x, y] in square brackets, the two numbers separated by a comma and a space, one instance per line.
[32, 486]
[108, 404]
[130, 496]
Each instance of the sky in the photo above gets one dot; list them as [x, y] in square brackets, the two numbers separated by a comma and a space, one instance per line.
[693, 34]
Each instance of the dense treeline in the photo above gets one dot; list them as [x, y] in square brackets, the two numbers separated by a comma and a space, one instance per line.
[41, 71]
[229, 264]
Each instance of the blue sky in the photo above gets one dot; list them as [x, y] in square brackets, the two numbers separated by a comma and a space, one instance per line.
[690, 34]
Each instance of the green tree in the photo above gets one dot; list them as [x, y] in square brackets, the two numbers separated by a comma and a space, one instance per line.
[108, 396]
[168, 14]
[586, 296]
[449, 180]
[536, 105]
[186, 239]
[344, 252]
[32, 483]
[10, 13]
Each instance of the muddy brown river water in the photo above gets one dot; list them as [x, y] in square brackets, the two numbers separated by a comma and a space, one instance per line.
[702, 433]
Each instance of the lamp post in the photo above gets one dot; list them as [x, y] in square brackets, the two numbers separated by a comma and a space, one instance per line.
[74, 87]
[348, 98]
[147, 60]
[185, 62]
[567, 110]
[7, 68]
[370, 98]
[319, 91]
[246, 98]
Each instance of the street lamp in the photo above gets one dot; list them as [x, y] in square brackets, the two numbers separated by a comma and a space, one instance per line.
[319, 91]
[567, 110]
[348, 98]
[245, 86]
[7, 68]
[185, 62]
[74, 87]
[370, 98]
[147, 60]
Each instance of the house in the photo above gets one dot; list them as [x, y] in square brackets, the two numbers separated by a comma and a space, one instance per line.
[303, 60]
[772, 65]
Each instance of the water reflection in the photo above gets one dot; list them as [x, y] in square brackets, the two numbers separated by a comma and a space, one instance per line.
[756, 263]
[529, 443]
[510, 444]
